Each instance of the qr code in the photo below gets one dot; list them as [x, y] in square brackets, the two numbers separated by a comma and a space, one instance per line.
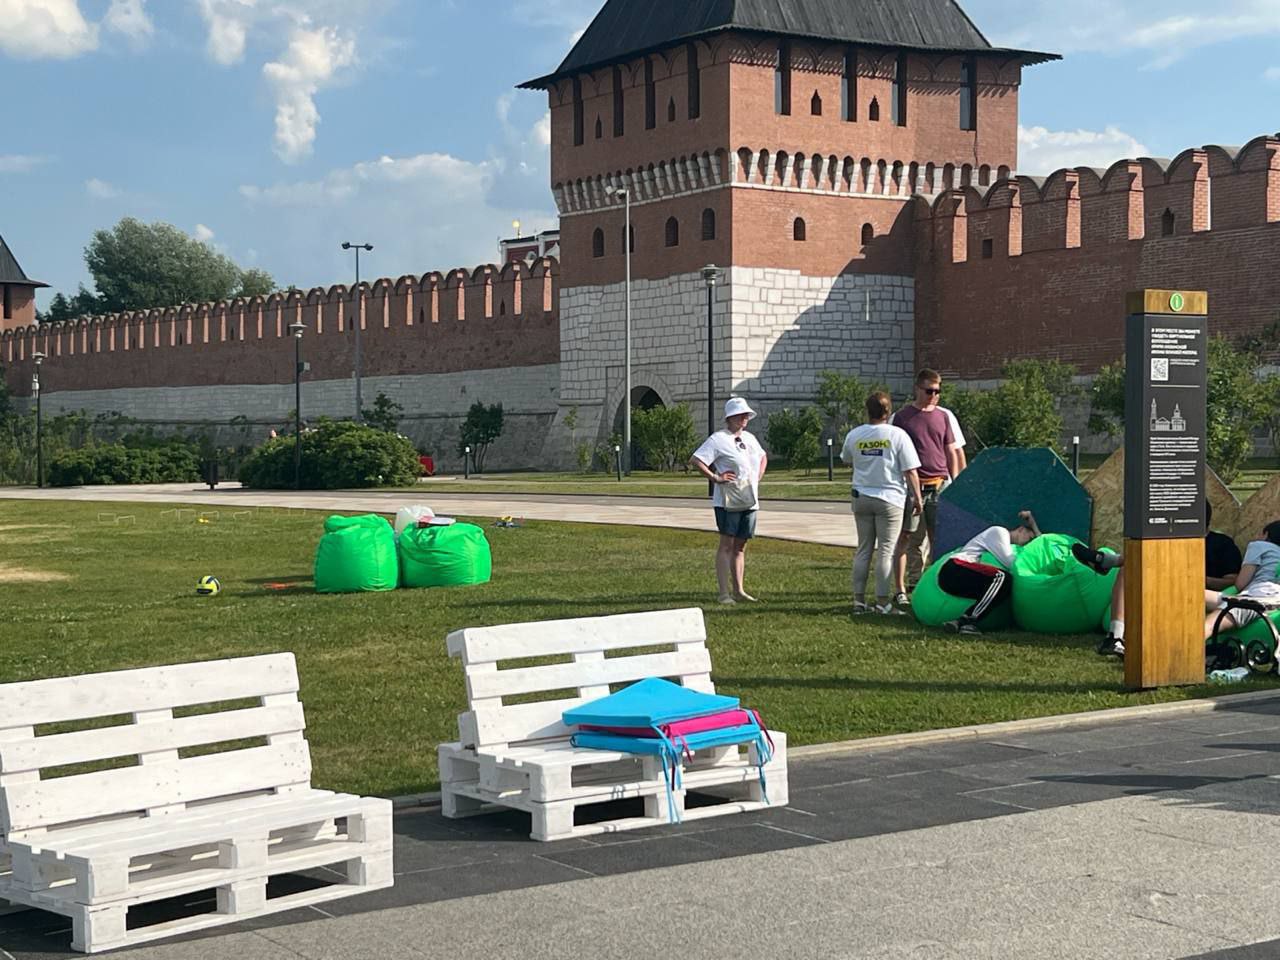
[1160, 370]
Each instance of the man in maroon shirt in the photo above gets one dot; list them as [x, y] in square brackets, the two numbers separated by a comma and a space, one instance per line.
[930, 432]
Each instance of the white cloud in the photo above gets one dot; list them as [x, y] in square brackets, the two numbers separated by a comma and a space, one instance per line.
[202, 233]
[129, 18]
[310, 63]
[100, 189]
[1042, 151]
[21, 162]
[228, 24]
[429, 211]
[1166, 34]
[45, 29]
[542, 130]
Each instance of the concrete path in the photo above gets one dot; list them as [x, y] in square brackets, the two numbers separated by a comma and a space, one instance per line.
[1152, 839]
[810, 522]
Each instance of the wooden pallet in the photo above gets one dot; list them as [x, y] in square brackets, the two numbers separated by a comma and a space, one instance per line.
[519, 755]
[97, 843]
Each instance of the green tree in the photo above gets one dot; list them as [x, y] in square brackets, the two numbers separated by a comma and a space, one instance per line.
[841, 399]
[385, 414]
[1024, 411]
[665, 436]
[793, 436]
[482, 426]
[136, 266]
[62, 308]
[1242, 398]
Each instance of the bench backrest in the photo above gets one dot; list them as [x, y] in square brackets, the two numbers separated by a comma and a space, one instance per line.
[587, 676]
[149, 750]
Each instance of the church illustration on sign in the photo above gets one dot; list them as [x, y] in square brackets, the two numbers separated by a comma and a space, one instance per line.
[1174, 424]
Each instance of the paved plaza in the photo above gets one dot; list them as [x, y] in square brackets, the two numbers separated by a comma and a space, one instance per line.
[1152, 838]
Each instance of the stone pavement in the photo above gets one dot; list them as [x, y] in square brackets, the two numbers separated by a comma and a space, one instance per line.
[808, 521]
[1154, 838]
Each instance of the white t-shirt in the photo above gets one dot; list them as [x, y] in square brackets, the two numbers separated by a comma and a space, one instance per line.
[743, 455]
[956, 432]
[880, 455]
[993, 540]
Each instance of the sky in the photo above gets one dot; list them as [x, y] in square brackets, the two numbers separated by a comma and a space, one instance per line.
[276, 129]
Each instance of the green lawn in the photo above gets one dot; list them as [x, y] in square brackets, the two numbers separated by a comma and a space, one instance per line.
[82, 593]
[778, 484]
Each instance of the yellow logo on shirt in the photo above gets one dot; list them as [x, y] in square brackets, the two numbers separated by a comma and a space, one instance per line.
[865, 446]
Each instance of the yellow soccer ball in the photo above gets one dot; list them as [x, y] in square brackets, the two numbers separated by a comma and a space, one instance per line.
[208, 587]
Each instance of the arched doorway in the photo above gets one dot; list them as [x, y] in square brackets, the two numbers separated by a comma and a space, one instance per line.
[642, 398]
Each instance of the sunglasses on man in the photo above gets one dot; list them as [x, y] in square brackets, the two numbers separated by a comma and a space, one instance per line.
[932, 391]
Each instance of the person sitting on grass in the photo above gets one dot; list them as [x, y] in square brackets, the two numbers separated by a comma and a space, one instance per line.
[1259, 579]
[990, 587]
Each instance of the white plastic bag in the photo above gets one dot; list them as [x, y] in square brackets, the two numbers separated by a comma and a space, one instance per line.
[414, 516]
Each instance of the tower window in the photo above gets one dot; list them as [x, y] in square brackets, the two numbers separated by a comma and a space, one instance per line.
[900, 91]
[1167, 223]
[868, 234]
[619, 116]
[798, 231]
[650, 97]
[8, 301]
[782, 80]
[599, 128]
[578, 116]
[597, 243]
[695, 81]
[988, 248]
[671, 110]
[815, 105]
[873, 111]
[673, 232]
[708, 224]
[849, 86]
[969, 95]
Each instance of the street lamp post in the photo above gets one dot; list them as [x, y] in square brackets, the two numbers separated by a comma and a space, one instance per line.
[710, 274]
[38, 357]
[625, 195]
[296, 329]
[368, 248]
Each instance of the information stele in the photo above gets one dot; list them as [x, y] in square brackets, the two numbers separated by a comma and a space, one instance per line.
[1166, 355]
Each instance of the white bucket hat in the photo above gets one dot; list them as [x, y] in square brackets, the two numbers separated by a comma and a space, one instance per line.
[736, 406]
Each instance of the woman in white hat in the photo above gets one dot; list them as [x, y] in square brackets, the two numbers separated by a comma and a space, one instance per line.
[734, 461]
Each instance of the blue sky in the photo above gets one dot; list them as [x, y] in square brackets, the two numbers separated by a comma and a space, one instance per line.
[275, 129]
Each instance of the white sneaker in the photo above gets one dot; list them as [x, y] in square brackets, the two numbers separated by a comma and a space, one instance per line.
[901, 600]
[727, 600]
[889, 610]
[859, 608]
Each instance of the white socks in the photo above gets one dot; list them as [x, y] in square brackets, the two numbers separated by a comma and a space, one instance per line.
[1117, 629]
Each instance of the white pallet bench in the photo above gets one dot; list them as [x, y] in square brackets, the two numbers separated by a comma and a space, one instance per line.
[176, 819]
[519, 755]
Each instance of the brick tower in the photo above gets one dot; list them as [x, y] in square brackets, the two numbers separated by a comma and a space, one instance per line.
[781, 144]
[17, 292]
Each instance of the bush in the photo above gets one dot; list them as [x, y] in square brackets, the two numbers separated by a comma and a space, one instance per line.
[175, 462]
[1024, 411]
[482, 426]
[664, 435]
[793, 437]
[842, 399]
[335, 455]
[385, 414]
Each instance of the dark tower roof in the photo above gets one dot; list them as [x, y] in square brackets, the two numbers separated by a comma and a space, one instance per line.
[11, 272]
[627, 28]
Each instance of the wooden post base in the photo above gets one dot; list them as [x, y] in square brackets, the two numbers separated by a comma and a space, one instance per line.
[1164, 613]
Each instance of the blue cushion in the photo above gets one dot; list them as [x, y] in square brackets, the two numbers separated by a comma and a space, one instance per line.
[649, 703]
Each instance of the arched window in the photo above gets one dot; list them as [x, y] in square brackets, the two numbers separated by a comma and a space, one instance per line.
[873, 111]
[868, 233]
[673, 232]
[597, 243]
[181, 341]
[1167, 222]
[502, 308]
[782, 80]
[798, 230]
[422, 315]
[815, 105]
[708, 224]
[671, 110]
[599, 129]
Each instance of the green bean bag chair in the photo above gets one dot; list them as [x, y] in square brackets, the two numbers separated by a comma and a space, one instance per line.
[1053, 592]
[356, 555]
[933, 606]
[450, 556]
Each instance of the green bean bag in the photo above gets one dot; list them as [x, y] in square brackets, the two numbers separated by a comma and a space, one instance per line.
[1053, 592]
[356, 555]
[450, 556]
[933, 606]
